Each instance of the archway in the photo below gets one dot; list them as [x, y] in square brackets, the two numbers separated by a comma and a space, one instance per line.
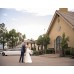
[58, 44]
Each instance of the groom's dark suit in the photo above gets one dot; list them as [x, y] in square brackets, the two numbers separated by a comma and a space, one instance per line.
[23, 49]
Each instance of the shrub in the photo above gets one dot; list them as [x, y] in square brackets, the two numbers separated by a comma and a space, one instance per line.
[67, 51]
[35, 53]
[72, 51]
[34, 49]
[40, 52]
[50, 51]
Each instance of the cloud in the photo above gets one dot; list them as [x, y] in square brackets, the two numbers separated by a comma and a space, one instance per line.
[39, 7]
[14, 19]
[44, 7]
[5, 14]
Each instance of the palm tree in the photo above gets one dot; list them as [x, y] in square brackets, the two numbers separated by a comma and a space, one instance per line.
[64, 43]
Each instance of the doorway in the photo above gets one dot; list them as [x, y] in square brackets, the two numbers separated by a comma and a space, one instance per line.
[58, 44]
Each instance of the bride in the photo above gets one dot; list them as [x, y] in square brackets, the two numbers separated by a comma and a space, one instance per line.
[27, 55]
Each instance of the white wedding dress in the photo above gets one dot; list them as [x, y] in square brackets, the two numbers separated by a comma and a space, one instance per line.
[27, 58]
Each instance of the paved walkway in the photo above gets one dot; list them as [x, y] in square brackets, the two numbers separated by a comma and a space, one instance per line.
[50, 55]
[42, 60]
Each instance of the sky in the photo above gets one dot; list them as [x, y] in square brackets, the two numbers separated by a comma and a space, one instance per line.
[31, 17]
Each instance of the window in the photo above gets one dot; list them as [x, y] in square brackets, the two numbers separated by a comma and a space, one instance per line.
[58, 27]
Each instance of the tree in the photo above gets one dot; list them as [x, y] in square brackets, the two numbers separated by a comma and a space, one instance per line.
[13, 37]
[64, 43]
[39, 42]
[3, 34]
[46, 41]
[43, 40]
[23, 37]
[19, 35]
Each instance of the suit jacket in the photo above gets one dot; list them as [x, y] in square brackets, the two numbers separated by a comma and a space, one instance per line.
[23, 49]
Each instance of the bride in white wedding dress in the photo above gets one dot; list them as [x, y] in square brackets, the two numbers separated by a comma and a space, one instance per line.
[27, 58]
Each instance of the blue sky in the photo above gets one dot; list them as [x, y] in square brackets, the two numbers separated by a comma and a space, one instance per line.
[24, 22]
[31, 16]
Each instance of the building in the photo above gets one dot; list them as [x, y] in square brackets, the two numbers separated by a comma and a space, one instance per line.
[31, 43]
[62, 22]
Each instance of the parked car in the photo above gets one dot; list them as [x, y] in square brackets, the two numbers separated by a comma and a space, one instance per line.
[11, 52]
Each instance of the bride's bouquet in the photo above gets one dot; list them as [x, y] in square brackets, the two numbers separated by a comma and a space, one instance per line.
[31, 52]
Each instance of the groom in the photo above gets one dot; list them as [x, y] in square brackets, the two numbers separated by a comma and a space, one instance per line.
[23, 49]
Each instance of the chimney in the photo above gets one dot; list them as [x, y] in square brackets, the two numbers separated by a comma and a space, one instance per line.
[63, 9]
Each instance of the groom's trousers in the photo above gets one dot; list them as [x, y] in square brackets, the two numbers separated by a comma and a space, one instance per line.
[21, 57]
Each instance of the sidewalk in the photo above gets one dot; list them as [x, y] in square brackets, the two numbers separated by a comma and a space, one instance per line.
[42, 60]
[50, 55]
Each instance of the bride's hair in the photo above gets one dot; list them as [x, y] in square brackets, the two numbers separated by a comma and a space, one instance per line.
[27, 43]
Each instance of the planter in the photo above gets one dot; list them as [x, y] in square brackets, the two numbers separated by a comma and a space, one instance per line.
[72, 52]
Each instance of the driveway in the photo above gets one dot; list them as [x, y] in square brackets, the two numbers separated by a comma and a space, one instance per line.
[43, 60]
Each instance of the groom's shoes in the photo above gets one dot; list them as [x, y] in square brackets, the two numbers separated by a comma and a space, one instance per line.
[22, 62]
